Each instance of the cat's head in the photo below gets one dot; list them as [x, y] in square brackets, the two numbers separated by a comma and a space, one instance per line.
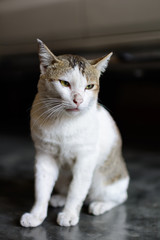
[69, 82]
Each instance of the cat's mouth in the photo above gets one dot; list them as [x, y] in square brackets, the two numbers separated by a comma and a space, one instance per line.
[73, 110]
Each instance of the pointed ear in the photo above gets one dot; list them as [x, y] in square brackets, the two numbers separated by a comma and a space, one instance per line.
[101, 63]
[46, 57]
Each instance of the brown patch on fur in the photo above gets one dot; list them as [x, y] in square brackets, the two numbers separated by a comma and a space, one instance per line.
[114, 168]
[55, 71]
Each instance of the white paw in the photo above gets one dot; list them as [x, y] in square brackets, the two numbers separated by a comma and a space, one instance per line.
[67, 219]
[30, 220]
[97, 208]
[57, 200]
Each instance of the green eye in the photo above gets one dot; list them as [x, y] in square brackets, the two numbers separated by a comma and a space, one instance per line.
[90, 86]
[64, 83]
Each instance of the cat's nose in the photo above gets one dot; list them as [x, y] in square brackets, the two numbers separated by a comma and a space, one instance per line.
[77, 99]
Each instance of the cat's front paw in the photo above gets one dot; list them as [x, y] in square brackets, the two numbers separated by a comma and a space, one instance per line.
[67, 219]
[30, 220]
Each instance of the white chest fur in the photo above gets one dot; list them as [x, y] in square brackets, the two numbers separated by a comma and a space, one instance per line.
[67, 138]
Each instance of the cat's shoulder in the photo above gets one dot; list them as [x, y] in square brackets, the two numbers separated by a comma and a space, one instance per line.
[102, 109]
[104, 114]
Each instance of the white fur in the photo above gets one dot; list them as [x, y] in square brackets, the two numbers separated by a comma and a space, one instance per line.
[83, 140]
[78, 83]
[110, 196]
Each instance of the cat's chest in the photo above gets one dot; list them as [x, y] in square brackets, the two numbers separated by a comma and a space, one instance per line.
[66, 141]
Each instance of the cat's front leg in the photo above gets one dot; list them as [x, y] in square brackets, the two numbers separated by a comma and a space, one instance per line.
[46, 173]
[82, 177]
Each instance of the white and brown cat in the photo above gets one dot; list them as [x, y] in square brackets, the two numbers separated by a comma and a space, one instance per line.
[78, 146]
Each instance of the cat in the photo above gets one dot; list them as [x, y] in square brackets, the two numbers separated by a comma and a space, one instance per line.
[78, 145]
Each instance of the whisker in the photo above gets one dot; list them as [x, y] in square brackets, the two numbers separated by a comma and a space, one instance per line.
[51, 115]
[44, 102]
[44, 107]
[48, 111]
[49, 108]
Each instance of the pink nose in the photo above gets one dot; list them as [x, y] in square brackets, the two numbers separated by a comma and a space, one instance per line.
[77, 99]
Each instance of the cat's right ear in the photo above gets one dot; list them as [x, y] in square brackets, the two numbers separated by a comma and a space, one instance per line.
[101, 63]
[46, 57]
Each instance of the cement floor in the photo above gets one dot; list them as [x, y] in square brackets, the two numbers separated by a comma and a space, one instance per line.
[138, 218]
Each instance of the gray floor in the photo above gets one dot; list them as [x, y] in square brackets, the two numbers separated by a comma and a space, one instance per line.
[138, 218]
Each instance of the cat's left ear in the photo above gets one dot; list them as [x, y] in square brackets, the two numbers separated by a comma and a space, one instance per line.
[46, 57]
[101, 63]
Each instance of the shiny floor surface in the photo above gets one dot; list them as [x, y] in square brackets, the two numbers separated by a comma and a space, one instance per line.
[138, 218]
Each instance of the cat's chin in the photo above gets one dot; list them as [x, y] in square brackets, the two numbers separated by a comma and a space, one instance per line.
[73, 111]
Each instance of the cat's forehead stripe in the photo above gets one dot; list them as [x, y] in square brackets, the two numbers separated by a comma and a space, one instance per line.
[77, 61]
[84, 67]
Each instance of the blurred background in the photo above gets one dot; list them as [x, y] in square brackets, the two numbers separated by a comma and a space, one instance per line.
[130, 88]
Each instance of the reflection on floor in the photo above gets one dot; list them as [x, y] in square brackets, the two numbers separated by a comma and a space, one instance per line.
[138, 218]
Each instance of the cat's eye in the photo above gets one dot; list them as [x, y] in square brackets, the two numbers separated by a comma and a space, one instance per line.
[64, 83]
[90, 86]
